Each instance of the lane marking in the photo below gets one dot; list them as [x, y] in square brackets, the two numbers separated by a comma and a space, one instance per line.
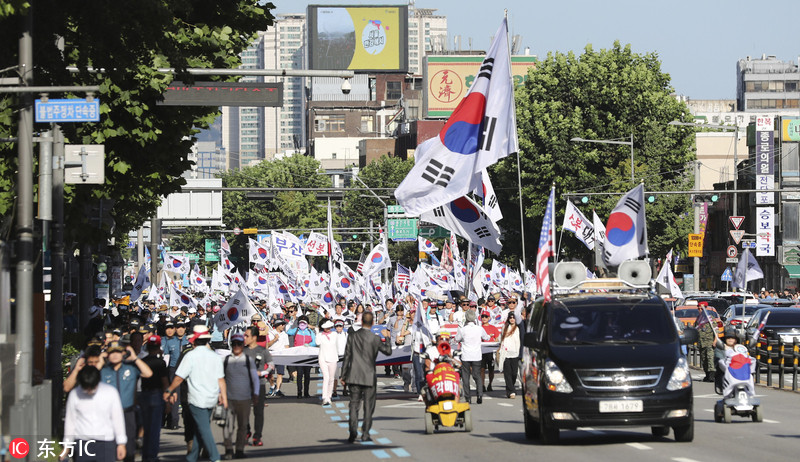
[683, 459]
[591, 430]
[336, 418]
[770, 421]
[344, 424]
[383, 441]
[639, 446]
[381, 454]
[505, 404]
[330, 411]
[400, 452]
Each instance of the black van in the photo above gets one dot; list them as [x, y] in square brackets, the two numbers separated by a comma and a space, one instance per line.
[605, 358]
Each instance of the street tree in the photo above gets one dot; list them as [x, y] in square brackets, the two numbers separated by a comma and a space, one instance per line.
[599, 95]
[146, 144]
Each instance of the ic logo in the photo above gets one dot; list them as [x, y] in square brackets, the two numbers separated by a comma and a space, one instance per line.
[18, 448]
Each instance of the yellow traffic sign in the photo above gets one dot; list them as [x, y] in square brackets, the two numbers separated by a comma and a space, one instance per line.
[695, 245]
[250, 231]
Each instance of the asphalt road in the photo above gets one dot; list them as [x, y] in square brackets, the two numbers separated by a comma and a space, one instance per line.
[297, 430]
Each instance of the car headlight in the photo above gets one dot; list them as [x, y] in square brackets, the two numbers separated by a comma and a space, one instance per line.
[681, 377]
[554, 378]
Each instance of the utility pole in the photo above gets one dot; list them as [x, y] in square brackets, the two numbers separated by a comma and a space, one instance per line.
[56, 316]
[696, 209]
[24, 224]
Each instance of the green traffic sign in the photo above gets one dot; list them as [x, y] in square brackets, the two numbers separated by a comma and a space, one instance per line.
[433, 232]
[403, 229]
[395, 209]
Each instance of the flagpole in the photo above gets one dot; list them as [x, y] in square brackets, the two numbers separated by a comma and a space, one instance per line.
[560, 240]
[469, 270]
[514, 121]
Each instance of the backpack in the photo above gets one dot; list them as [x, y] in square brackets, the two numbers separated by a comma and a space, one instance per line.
[247, 362]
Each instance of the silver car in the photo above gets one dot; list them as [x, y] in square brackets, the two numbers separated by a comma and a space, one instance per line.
[738, 315]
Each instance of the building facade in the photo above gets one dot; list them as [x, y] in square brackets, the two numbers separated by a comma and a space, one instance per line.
[768, 85]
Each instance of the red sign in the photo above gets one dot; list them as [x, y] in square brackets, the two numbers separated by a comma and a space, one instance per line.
[736, 221]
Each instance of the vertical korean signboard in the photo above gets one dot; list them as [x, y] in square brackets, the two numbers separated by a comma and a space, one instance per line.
[765, 231]
[765, 159]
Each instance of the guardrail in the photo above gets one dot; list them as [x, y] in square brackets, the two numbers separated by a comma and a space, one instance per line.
[778, 362]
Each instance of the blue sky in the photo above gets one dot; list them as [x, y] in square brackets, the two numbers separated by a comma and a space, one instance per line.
[698, 41]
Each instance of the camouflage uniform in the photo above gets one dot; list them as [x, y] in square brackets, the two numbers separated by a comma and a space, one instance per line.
[708, 336]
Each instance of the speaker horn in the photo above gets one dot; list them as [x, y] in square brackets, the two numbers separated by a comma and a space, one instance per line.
[635, 272]
[569, 274]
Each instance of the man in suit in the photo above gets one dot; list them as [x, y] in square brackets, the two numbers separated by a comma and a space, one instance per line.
[358, 372]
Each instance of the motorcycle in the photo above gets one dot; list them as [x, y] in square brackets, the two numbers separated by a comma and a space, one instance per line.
[443, 407]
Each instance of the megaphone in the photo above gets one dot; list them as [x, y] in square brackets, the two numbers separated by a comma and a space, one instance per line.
[635, 272]
[569, 274]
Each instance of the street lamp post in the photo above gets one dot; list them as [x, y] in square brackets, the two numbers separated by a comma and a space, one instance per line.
[627, 143]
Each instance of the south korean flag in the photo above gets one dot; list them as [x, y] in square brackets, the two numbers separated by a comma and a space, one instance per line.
[467, 219]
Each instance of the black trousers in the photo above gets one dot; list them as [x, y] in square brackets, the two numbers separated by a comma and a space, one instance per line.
[473, 369]
[359, 394]
[173, 417]
[258, 413]
[510, 369]
[303, 380]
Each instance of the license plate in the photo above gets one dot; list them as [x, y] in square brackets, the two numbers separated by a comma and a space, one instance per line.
[447, 405]
[626, 405]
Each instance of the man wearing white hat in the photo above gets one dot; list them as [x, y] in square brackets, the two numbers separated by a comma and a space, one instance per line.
[202, 369]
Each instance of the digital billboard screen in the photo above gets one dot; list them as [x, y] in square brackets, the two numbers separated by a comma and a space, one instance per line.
[358, 38]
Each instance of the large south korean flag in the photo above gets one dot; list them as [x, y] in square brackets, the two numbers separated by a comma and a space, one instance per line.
[481, 131]
[626, 230]
[467, 219]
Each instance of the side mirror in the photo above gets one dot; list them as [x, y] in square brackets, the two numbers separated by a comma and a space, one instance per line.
[530, 339]
[689, 336]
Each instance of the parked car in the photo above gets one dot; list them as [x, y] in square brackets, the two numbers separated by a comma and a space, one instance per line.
[738, 315]
[778, 302]
[782, 324]
[719, 304]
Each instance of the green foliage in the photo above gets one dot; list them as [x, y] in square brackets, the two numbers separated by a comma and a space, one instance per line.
[146, 144]
[287, 210]
[360, 206]
[603, 95]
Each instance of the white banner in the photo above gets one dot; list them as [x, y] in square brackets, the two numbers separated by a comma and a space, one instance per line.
[765, 231]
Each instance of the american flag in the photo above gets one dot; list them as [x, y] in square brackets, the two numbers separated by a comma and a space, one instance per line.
[224, 246]
[545, 248]
[361, 260]
[403, 275]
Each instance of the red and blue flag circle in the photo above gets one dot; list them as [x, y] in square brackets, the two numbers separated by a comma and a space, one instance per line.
[462, 131]
[282, 289]
[327, 298]
[262, 253]
[377, 258]
[233, 314]
[621, 229]
[345, 283]
[464, 210]
[185, 299]
[262, 280]
[176, 263]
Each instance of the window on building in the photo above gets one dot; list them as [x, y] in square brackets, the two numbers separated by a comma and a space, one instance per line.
[366, 124]
[329, 123]
[394, 90]
[791, 221]
[790, 161]
[333, 155]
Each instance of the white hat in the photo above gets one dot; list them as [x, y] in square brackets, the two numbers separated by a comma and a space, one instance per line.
[200, 331]
[192, 310]
[571, 322]
[326, 324]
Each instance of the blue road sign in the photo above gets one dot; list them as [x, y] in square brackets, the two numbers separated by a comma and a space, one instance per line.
[727, 275]
[67, 110]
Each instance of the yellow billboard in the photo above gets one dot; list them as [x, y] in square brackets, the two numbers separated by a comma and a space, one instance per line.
[359, 38]
[448, 79]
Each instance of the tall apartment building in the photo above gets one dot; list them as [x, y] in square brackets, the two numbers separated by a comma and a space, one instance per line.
[261, 133]
[427, 33]
[768, 85]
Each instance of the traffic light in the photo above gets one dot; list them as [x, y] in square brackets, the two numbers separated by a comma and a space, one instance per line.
[354, 236]
[700, 198]
[651, 198]
[585, 199]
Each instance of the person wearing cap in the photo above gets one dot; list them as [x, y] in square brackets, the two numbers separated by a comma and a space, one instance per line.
[94, 417]
[303, 336]
[203, 371]
[470, 336]
[707, 338]
[487, 359]
[171, 344]
[571, 328]
[92, 357]
[328, 358]
[241, 379]
[279, 340]
[123, 375]
[264, 363]
[150, 399]
[358, 373]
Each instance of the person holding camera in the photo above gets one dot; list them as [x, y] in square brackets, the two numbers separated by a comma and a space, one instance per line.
[122, 370]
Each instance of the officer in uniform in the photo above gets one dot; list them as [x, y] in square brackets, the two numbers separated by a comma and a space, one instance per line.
[708, 336]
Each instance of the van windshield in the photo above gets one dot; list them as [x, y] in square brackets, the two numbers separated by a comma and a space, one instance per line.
[618, 322]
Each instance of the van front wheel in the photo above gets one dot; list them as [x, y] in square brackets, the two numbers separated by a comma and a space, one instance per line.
[547, 435]
[685, 433]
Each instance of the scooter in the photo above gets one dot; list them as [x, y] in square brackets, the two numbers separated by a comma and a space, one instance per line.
[738, 386]
[443, 408]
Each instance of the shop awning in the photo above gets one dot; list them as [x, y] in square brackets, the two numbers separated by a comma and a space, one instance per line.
[793, 270]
